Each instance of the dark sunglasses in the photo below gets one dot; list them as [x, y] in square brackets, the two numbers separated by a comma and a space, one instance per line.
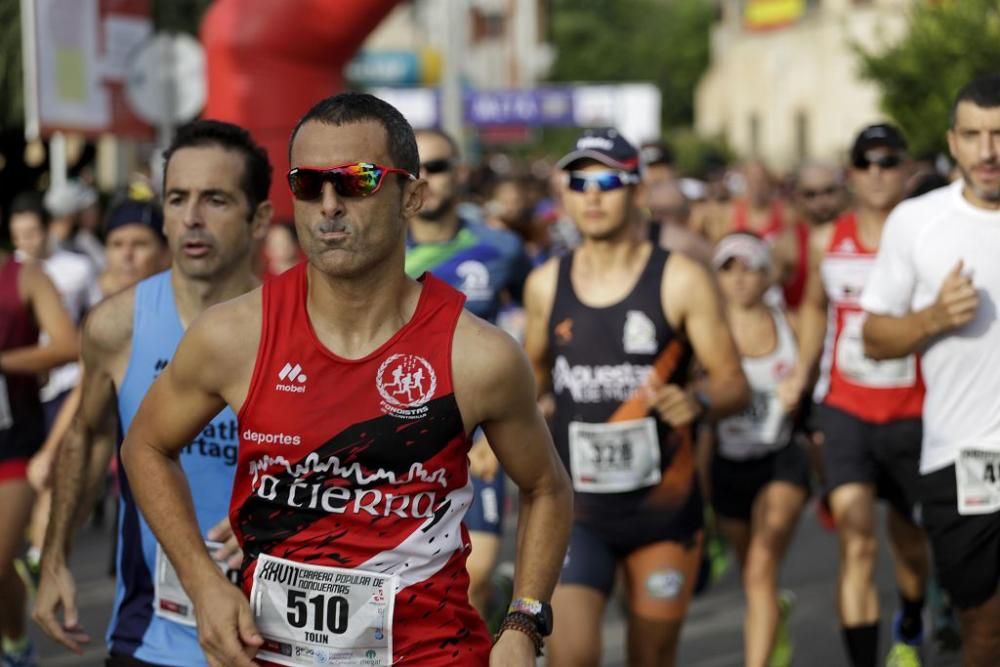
[821, 192]
[605, 181]
[358, 179]
[436, 166]
[887, 161]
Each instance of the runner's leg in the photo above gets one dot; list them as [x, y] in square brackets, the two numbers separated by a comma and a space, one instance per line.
[912, 566]
[661, 579]
[853, 508]
[16, 498]
[981, 633]
[775, 514]
[587, 578]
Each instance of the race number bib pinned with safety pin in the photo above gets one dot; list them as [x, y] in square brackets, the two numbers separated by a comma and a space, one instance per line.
[315, 615]
[169, 599]
[865, 371]
[616, 457]
[977, 476]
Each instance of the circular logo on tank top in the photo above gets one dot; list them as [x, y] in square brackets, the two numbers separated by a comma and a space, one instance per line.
[406, 383]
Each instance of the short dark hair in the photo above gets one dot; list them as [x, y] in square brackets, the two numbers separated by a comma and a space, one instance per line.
[348, 108]
[983, 91]
[32, 203]
[444, 136]
[256, 181]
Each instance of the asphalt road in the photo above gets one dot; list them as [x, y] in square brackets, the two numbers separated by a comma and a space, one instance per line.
[711, 637]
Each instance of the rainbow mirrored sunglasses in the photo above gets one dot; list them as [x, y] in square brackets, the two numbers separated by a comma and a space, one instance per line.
[580, 181]
[357, 179]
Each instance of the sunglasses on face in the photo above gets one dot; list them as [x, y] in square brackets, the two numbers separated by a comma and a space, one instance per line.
[358, 179]
[580, 181]
[436, 166]
[887, 161]
[829, 191]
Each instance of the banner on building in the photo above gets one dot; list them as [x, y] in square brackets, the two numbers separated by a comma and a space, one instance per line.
[771, 14]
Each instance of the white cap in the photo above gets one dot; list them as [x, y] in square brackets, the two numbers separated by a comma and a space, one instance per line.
[751, 250]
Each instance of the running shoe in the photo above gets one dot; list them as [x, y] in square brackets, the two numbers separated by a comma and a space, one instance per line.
[904, 652]
[26, 657]
[903, 655]
[781, 655]
[29, 575]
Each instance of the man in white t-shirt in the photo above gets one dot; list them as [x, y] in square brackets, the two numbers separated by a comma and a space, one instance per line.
[934, 290]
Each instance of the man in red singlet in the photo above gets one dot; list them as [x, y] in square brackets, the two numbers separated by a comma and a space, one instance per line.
[869, 412]
[357, 390]
[758, 210]
[29, 304]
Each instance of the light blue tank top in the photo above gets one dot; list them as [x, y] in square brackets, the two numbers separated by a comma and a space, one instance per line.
[209, 464]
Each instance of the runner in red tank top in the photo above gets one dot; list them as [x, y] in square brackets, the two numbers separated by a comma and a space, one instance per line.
[29, 302]
[357, 390]
[868, 411]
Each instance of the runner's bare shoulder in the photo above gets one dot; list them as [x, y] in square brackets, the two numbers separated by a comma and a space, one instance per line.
[488, 367]
[228, 334]
[540, 288]
[107, 329]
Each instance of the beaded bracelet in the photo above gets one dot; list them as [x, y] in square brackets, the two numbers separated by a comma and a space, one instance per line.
[524, 624]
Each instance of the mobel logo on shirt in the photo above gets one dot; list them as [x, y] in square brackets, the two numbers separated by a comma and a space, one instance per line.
[293, 379]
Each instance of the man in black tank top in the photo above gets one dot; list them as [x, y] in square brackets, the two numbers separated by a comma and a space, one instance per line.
[611, 331]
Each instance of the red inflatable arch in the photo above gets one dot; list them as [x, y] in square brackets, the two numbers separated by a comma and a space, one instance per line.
[268, 61]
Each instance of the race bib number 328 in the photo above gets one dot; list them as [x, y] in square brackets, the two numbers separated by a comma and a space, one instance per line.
[314, 615]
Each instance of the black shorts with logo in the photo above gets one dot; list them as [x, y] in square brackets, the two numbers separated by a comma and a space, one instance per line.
[966, 548]
[886, 455]
[736, 484]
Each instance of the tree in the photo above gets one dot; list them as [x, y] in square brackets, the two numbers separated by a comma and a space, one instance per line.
[662, 41]
[11, 86]
[948, 44]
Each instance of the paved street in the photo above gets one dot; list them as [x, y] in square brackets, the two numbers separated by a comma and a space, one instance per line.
[712, 634]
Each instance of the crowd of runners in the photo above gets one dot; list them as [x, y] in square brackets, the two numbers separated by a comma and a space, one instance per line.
[319, 432]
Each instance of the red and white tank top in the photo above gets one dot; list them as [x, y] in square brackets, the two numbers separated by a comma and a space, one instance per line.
[351, 489]
[876, 391]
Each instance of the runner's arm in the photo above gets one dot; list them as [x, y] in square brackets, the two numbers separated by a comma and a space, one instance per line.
[497, 391]
[104, 332]
[811, 325]
[181, 402]
[63, 347]
[539, 294]
[692, 304]
[889, 336]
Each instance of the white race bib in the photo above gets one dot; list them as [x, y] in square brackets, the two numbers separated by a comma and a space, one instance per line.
[616, 457]
[6, 415]
[315, 615]
[977, 474]
[763, 427]
[169, 599]
[864, 371]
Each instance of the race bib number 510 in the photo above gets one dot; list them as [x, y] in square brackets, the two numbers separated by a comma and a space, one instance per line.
[315, 615]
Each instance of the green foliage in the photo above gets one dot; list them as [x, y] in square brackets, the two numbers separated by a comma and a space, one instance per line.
[948, 44]
[662, 41]
[11, 78]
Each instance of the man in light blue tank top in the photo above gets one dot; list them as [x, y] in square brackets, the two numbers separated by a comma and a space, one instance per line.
[216, 182]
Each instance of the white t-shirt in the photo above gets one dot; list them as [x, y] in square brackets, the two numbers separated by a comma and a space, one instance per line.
[923, 240]
[76, 281]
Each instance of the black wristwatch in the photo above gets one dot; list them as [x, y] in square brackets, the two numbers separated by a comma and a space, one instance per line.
[540, 612]
[704, 403]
